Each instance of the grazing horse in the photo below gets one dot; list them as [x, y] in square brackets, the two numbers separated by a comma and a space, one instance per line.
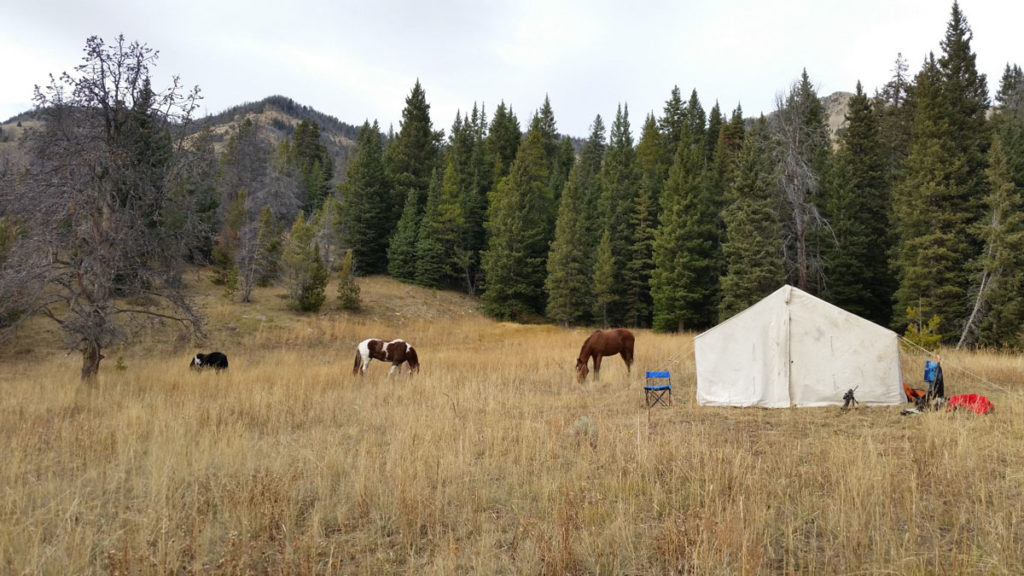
[216, 360]
[604, 343]
[395, 351]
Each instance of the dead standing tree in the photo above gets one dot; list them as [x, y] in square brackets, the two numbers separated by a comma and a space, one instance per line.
[801, 138]
[92, 201]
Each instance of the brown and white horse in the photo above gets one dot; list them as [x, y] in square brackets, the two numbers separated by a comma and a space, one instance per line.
[604, 343]
[396, 351]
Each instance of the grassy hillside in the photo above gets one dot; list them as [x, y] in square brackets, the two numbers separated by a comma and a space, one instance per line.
[491, 460]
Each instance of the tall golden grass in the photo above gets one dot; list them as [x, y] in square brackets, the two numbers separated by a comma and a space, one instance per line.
[491, 460]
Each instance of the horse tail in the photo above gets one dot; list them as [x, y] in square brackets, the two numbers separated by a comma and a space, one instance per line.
[359, 359]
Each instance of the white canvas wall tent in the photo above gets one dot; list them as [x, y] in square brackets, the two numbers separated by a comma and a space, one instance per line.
[793, 349]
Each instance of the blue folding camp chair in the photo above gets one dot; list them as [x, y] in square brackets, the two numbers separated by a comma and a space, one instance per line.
[658, 389]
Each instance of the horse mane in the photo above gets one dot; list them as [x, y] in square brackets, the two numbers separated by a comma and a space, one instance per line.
[586, 343]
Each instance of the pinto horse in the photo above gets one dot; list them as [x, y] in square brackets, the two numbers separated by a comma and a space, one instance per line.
[396, 351]
[604, 343]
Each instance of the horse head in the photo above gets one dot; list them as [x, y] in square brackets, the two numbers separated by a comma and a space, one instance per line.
[581, 370]
[412, 359]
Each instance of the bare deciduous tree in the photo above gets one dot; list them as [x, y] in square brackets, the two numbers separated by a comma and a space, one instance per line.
[93, 252]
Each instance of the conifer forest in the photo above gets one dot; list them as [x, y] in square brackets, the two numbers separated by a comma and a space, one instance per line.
[909, 215]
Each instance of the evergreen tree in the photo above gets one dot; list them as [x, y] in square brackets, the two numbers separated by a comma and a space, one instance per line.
[727, 151]
[684, 283]
[929, 222]
[895, 119]
[673, 122]
[263, 265]
[695, 123]
[1008, 121]
[640, 265]
[620, 180]
[402, 248]
[715, 125]
[503, 140]
[605, 279]
[859, 203]
[569, 266]
[413, 156]
[592, 186]
[430, 257]
[305, 274]
[305, 153]
[997, 314]
[652, 166]
[515, 261]
[477, 179]
[565, 158]
[192, 212]
[348, 290]
[753, 248]
[440, 251]
[940, 199]
[365, 205]
[571, 259]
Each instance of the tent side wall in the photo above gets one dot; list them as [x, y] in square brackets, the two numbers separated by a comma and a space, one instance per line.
[741, 362]
[833, 351]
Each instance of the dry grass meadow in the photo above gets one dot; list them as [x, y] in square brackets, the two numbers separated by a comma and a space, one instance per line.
[492, 460]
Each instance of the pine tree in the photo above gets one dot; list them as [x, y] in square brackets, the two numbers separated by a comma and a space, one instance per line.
[569, 266]
[939, 201]
[753, 248]
[366, 206]
[997, 314]
[715, 125]
[430, 257]
[305, 274]
[727, 151]
[413, 156]
[652, 166]
[348, 290]
[925, 258]
[1008, 121]
[684, 283]
[192, 212]
[263, 265]
[672, 123]
[640, 265]
[605, 279]
[858, 207]
[310, 158]
[503, 140]
[591, 184]
[515, 261]
[477, 181]
[895, 119]
[402, 248]
[619, 183]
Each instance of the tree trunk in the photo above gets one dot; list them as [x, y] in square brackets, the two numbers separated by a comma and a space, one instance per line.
[91, 357]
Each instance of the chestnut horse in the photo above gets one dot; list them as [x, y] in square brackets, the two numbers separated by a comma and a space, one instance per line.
[396, 351]
[604, 343]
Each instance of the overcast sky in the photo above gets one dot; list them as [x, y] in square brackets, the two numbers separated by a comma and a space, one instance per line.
[359, 60]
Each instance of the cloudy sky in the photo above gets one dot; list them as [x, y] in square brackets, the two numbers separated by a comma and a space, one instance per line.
[359, 60]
